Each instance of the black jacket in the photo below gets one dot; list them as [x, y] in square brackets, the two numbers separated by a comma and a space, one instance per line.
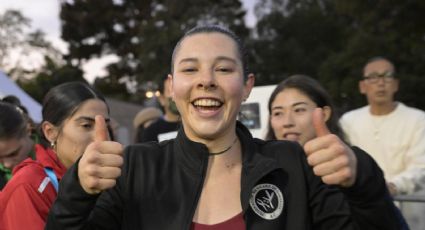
[161, 183]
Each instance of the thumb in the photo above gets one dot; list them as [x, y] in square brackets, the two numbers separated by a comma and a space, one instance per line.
[319, 123]
[100, 129]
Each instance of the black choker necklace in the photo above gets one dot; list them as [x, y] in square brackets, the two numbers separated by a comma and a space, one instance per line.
[225, 150]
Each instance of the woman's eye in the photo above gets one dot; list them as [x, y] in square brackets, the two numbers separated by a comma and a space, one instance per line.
[87, 126]
[224, 69]
[277, 114]
[300, 110]
[188, 70]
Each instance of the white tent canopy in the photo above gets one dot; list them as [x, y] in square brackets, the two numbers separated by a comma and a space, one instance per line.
[8, 87]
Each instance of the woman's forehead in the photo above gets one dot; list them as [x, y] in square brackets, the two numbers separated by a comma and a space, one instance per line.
[91, 108]
[207, 44]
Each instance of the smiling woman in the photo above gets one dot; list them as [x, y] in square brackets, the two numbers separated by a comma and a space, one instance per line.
[252, 184]
[291, 106]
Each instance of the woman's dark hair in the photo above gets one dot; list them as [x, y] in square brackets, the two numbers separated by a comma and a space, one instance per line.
[214, 29]
[12, 121]
[12, 99]
[312, 89]
[62, 101]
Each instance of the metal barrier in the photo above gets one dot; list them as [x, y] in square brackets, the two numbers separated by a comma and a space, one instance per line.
[402, 202]
[410, 198]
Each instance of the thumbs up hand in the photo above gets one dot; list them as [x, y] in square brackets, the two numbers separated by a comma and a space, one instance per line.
[330, 157]
[100, 165]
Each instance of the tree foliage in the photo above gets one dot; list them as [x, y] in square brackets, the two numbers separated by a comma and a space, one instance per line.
[332, 39]
[19, 45]
[49, 76]
[141, 33]
[327, 39]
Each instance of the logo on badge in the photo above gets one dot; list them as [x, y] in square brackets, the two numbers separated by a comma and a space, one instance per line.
[267, 201]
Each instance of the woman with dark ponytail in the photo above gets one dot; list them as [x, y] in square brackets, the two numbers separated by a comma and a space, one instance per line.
[67, 128]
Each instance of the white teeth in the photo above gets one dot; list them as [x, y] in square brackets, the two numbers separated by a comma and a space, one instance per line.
[206, 102]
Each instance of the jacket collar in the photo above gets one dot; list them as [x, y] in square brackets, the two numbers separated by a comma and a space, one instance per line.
[48, 158]
[194, 156]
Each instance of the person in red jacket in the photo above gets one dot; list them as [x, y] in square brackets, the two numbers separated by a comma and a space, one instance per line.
[66, 130]
[16, 143]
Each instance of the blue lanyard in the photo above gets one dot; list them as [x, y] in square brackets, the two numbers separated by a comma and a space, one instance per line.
[52, 177]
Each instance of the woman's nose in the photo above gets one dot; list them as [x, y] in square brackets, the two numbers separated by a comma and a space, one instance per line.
[288, 120]
[207, 80]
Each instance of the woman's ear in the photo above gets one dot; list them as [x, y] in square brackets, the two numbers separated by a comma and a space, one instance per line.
[327, 111]
[249, 84]
[50, 131]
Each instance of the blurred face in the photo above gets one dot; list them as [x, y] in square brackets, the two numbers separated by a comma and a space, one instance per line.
[378, 84]
[14, 150]
[208, 85]
[78, 131]
[291, 116]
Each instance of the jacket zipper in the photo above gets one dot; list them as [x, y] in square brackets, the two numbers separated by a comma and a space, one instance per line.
[198, 194]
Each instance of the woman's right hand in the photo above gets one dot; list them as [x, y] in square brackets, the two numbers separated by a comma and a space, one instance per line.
[100, 165]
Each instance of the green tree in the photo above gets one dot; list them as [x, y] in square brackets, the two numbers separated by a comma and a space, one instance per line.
[50, 75]
[141, 33]
[294, 37]
[332, 39]
[378, 28]
[18, 38]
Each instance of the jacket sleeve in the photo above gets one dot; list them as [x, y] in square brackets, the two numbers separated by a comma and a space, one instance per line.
[413, 177]
[75, 209]
[369, 200]
[25, 208]
[365, 205]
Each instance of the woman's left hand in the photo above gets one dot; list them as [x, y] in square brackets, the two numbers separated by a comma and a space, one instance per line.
[330, 157]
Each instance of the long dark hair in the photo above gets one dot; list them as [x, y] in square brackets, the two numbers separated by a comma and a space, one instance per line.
[62, 101]
[311, 88]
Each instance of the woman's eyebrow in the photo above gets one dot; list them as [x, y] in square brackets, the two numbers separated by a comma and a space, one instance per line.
[188, 60]
[224, 58]
[85, 118]
[293, 105]
[299, 103]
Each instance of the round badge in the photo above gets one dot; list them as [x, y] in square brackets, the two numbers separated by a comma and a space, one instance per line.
[267, 201]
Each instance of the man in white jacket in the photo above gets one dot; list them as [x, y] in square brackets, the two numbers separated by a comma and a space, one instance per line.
[393, 133]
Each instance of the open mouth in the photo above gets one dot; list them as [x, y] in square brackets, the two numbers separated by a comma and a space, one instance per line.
[207, 104]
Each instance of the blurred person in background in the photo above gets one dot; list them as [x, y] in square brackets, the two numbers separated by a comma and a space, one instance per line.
[166, 126]
[32, 126]
[143, 119]
[393, 133]
[15, 141]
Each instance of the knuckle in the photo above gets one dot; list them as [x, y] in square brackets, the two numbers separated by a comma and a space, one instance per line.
[339, 149]
[91, 171]
[327, 180]
[333, 138]
[109, 184]
[311, 160]
[317, 171]
[117, 172]
[347, 173]
[343, 161]
[93, 183]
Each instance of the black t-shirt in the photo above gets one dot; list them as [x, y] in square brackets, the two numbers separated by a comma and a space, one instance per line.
[159, 127]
